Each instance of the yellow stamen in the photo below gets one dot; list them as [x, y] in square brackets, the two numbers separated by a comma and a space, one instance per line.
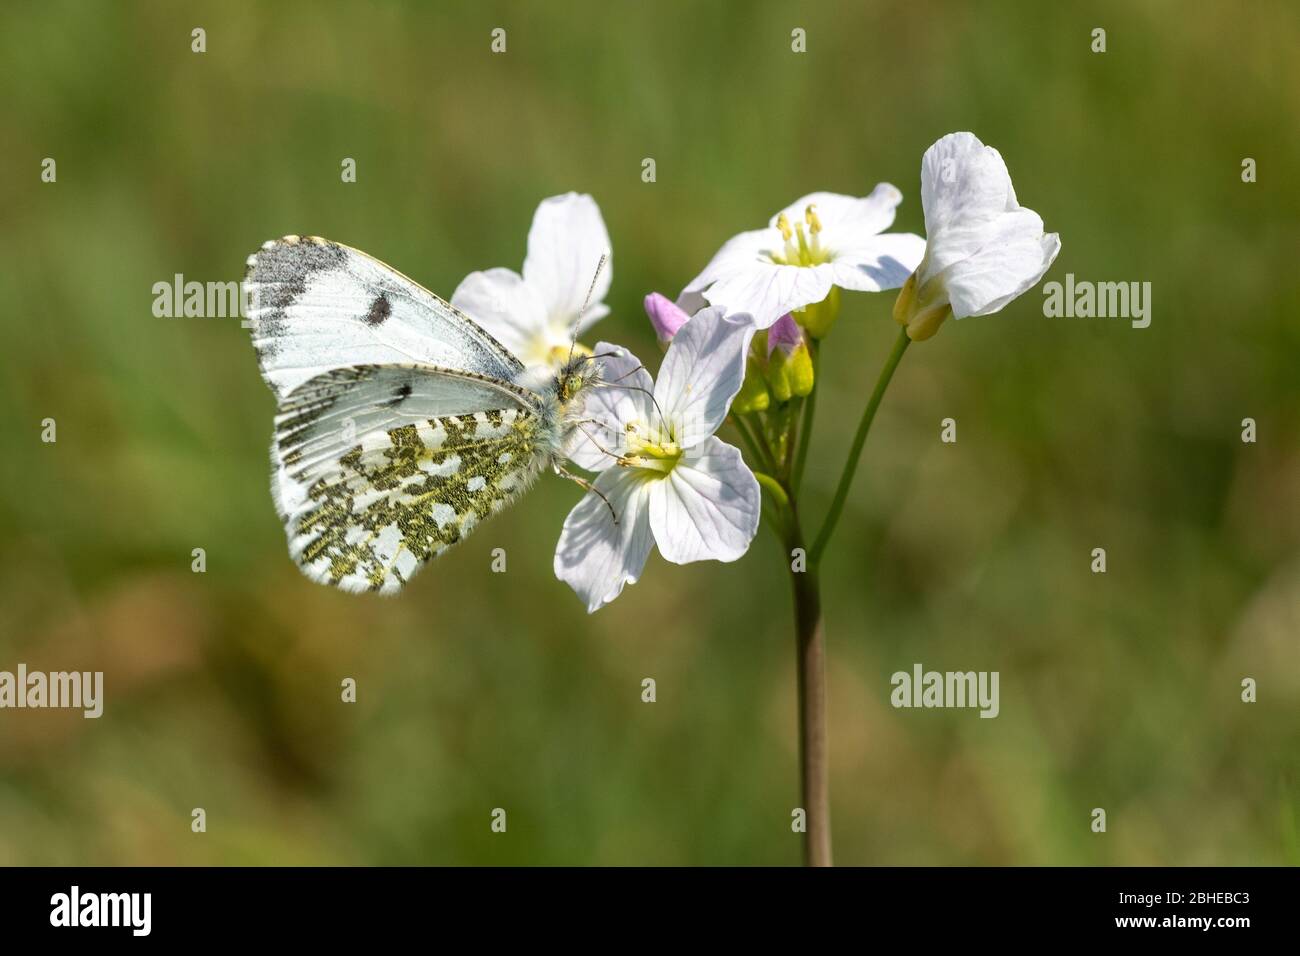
[783, 224]
[651, 452]
[814, 224]
[805, 254]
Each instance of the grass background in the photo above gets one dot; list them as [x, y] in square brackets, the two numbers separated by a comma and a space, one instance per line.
[479, 690]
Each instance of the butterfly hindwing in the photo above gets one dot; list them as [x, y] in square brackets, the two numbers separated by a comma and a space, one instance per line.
[380, 468]
[316, 305]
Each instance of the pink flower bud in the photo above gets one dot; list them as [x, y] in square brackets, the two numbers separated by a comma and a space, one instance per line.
[665, 316]
[784, 334]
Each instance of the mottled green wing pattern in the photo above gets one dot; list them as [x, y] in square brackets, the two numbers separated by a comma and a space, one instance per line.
[366, 504]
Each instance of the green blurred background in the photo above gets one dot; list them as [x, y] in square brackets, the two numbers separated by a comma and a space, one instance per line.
[481, 690]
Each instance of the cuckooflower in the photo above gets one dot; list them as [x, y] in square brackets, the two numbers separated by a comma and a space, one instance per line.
[983, 248]
[533, 314]
[818, 243]
[664, 478]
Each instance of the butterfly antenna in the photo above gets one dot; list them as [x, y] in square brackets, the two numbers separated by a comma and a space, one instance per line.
[577, 323]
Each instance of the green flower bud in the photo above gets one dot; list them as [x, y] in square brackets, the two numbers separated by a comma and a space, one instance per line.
[789, 364]
[820, 316]
[790, 376]
[921, 311]
[753, 395]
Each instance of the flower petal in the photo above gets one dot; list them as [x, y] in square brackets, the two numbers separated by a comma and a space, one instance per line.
[768, 291]
[878, 263]
[691, 302]
[624, 395]
[845, 217]
[965, 188]
[595, 556]
[565, 243]
[984, 248]
[737, 254]
[707, 508]
[702, 373]
[1002, 270]
[506, 307]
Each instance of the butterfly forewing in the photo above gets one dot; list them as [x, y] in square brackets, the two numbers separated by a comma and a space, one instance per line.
[380, 468]
[316, 305]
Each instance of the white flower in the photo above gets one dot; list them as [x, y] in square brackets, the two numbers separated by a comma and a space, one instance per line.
[665, 475]
[533, 315]
[982, 247]
[816, 243]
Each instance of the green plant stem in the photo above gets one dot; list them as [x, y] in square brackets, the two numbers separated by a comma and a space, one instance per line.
[855, 452]
[750, 444]
[774, 488]
[776, 477]
[810, 654]
[791, 441]
[769, 456]
[775, 518]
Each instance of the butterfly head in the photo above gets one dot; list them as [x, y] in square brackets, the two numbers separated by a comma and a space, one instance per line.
[578, 374]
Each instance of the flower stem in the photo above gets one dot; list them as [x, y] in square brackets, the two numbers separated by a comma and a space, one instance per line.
[776, 518]
[774, 488]
[764, 446]
[851, 466]
[750, 444]
[810, 650]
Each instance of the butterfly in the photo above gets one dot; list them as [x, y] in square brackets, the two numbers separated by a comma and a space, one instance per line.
[402, 424]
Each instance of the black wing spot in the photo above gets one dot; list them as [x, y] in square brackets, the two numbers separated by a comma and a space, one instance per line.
[402, 393]
[380, 310]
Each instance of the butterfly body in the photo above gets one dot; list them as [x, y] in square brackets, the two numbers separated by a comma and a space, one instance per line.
[402, 425]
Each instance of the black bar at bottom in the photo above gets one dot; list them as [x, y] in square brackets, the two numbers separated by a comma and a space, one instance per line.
[334, 905]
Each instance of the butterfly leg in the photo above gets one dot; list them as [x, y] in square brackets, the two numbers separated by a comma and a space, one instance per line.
[599, 447]
[586, 486]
